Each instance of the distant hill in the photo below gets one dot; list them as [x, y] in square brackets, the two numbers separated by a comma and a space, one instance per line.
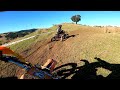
[7, 37]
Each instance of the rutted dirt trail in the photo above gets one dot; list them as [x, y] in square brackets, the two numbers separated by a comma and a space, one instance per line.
[60, 51]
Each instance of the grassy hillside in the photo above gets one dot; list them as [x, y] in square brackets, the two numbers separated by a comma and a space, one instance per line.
[13, 36]
[88, 43]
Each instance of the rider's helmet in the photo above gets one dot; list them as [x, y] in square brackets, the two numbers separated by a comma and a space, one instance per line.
[59, 25]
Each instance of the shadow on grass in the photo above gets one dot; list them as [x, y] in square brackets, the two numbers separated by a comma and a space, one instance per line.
[72, 35]
[88, 70]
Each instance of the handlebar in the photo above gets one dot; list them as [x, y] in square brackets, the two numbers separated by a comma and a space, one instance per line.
[15, 61]
[32, 70]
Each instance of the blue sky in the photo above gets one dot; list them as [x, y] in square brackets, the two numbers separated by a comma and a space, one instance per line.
[21, 20]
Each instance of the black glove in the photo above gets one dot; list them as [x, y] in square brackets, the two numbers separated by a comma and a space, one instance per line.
[2, 57]
[5, 58]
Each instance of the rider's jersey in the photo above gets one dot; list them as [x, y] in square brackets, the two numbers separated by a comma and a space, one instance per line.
[59, 30]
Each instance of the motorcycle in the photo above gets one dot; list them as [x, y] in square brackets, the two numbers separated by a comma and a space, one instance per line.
[60, 37]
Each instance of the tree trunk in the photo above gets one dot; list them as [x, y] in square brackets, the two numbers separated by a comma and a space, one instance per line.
[76, 22]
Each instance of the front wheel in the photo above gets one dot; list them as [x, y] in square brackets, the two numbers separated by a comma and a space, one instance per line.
[62, 37]
[65, 36]
[53, 39]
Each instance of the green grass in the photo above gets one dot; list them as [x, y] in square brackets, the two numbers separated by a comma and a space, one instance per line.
[104, 46]
[103, 72]
[19, 47]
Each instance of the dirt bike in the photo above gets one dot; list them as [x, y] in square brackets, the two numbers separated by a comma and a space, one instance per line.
[60, 37]
[35, 70]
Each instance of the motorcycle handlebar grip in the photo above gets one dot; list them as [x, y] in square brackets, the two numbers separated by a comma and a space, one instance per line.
[1, 56]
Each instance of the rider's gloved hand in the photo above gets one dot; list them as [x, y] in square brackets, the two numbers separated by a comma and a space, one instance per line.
[5, 58]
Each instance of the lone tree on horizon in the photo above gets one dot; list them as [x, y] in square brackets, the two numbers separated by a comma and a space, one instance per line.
[76, 18]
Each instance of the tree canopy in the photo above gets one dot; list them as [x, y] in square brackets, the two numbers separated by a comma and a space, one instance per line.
[76, 18]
